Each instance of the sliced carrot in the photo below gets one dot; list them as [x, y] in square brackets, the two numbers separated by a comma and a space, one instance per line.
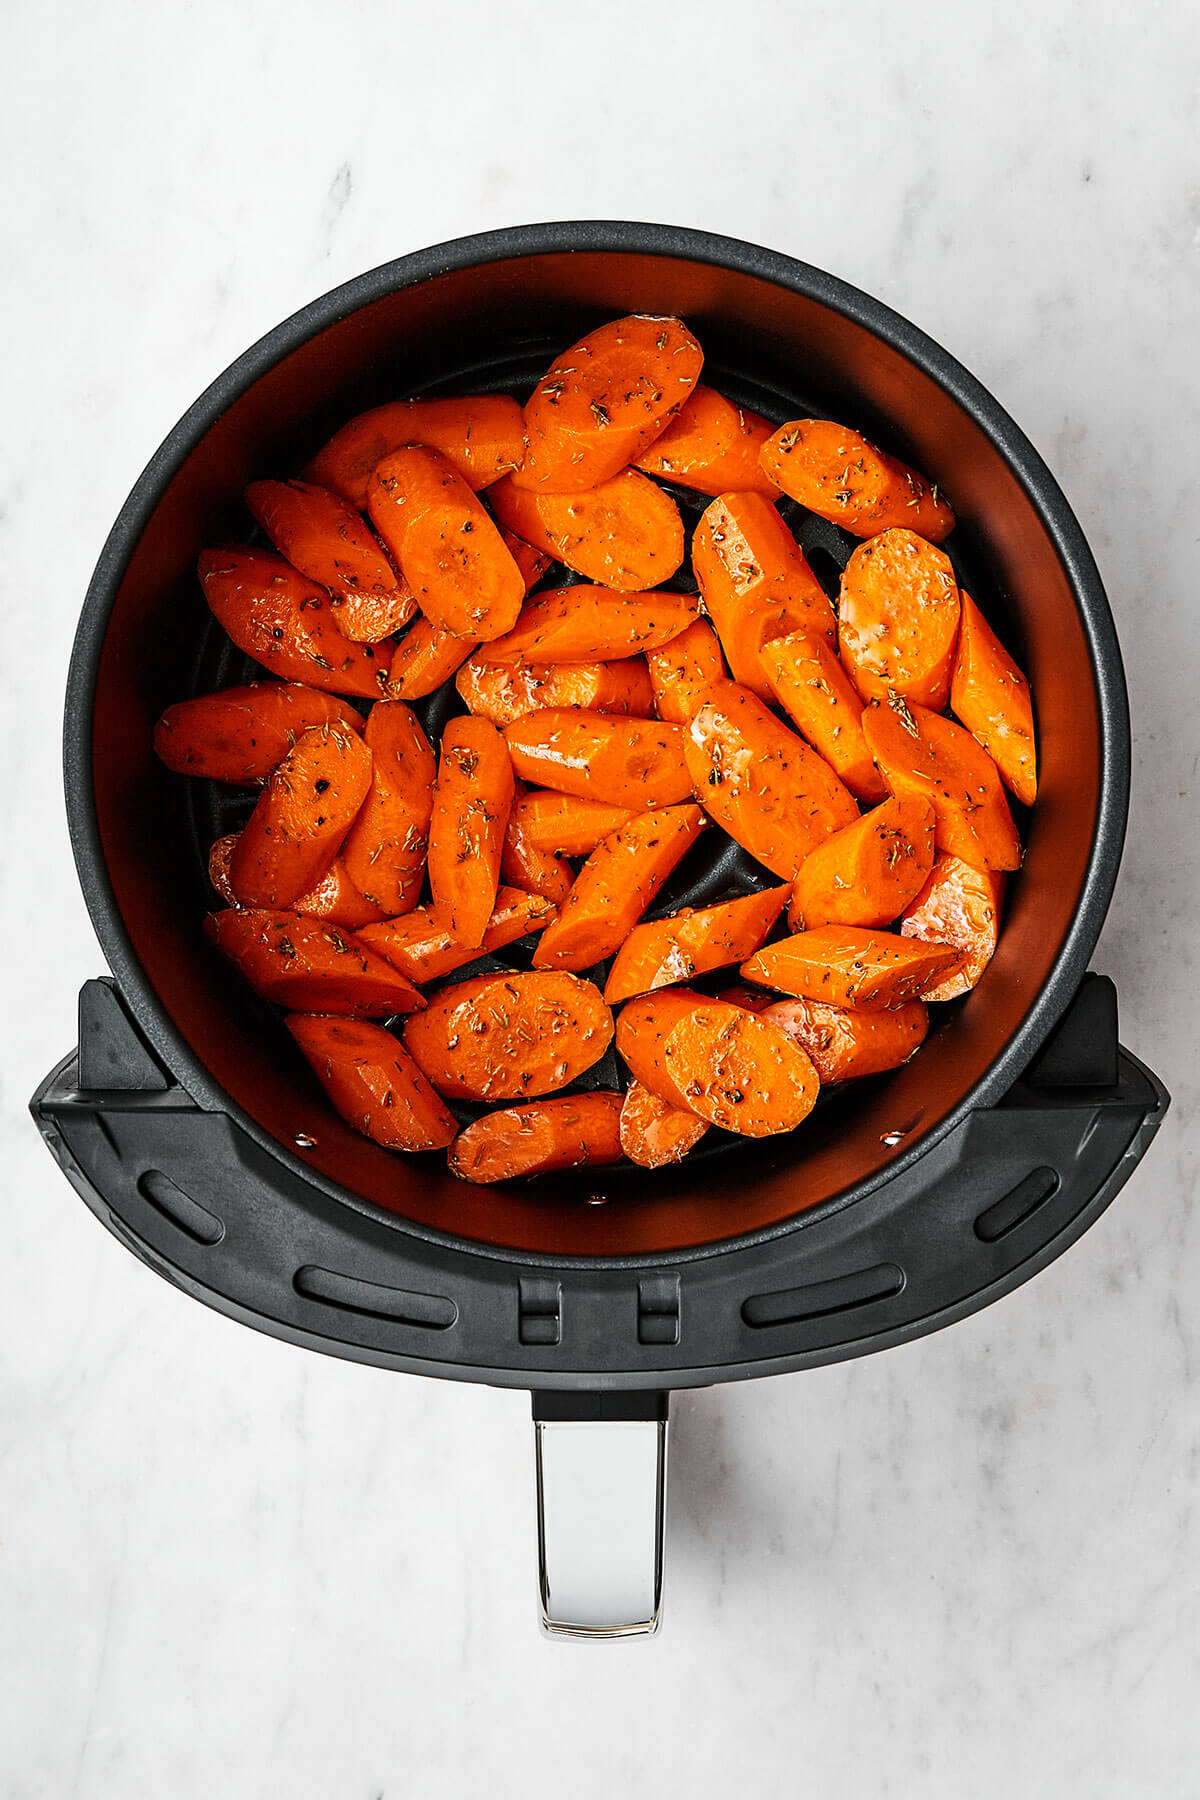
[920, 753]
[242, 733]
[845, 966]
[309, 965]
[959, 906]
[284, 622]
[637, 763]
[566, 825]
[809, 682]
[444, 543]
[755, 583]
[683, 671]
[373, 1082]
[750, 999]
[625, 534]
[471, 804]
[569, 1133]
[585, 624]
[616, 885]
[845, 1044]
[772, 794]
[713, 446]
[526, 866]
[483, 437]
[898, 619]
[728, 1066]
[509, 1037]
[991, 696]
[334, 898]
[604, 400]
[503, 691]
[663, 952]
[301, 817]
[425, 657]
[385, 847]
[839, 475]
[332, 543]
[655, 1133]
[421, 948]
[866, 873]
[532, 563]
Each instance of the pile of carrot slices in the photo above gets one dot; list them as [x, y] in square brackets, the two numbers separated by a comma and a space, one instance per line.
[862, 753]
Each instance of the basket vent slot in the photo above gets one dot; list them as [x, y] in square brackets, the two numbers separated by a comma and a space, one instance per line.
[1019, 1204]
[432, 1312]
[792, 1306]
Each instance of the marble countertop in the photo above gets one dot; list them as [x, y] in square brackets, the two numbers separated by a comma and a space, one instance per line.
[966, 1568]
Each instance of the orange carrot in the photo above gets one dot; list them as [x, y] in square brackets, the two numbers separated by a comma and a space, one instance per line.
[509, 1037]
[536, 1140]
[310, 965]
[615, 886]
[526, 866]
[750, 999]
[625, 534]
[866, 873]
[755, 583]
[242, 733]
[482, 437]
[637, 763]
[445, 544]
[728, 1066]
[604, 400]
[385, 847]
[425, 657]
[713, 446]
[373, 1082]
[839, 475]
[920, 753]
[683, 671]
[653, 1132]
[284, 622]
[421, 947]
[991, 696]
[771, 793]
[664, 952]
[297, 826]
[566, 825]
[471, 804]
[810, 683]
[959, 906]
[532, 563]
[898, 619]
[845, 1044]
[331, 543]
[334, 898]
[502, 691]
[585, 624]
[845, 966]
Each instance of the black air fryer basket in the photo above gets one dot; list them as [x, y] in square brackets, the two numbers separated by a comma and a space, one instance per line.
[189, 1125]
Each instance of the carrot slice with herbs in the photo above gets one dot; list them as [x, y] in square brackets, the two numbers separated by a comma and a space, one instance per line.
[483, 437]
[751, 999]
[920, 753]
[385, 848]
[604, 400]
[638, 763]
[845, 1044]
[586, 624]
[616, 885]
[425, 657]
[898, 619]
[284, 621]
[838, 474]
[569, 1133]
[655, 1133]
[421, 948]
[532, 563]
[663, 952]
[509, 1037]
[566, 825]
[445, 545]
[502, 691]
[310, 965]
[713, 446]
[334, 898]
[525, 865]
[771, 793]
[755, 582]
[624, 534]
[866, 873]
[809, 682]
[301, 817]
[959, 906]
[471, 804]
[849, 967]
[242, 733]
[332, 543]
[991, 696]
[373, 1082]
[683, 671]
[728, 1066]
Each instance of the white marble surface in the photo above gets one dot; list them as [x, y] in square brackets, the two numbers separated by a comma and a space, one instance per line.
[964, 1569]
